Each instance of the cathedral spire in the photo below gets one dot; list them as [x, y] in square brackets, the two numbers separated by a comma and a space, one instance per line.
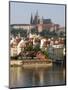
[31, 20]
[36, 18]
[37, 13]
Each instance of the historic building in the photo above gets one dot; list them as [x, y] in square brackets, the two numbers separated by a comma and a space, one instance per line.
[42, 23]
[38, 23]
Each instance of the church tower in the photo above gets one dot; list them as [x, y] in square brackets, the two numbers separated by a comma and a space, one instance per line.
[41, 20]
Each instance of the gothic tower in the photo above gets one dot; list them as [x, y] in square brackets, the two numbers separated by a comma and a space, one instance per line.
[35, 21]
[31, 20]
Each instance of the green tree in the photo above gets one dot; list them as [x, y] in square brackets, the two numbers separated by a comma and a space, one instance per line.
[36, 48]
[29, 48]
[15, 32]
[34, 31]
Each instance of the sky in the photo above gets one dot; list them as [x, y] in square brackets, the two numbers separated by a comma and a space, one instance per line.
[20, 13]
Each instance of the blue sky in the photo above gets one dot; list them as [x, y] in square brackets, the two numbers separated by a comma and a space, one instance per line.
[20, 13]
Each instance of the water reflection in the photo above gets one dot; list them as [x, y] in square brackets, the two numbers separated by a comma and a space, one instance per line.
[20, 77]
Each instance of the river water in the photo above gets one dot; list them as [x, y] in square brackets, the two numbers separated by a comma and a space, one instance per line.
[20, 77]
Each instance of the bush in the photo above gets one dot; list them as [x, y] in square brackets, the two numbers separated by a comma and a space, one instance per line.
[45, 53]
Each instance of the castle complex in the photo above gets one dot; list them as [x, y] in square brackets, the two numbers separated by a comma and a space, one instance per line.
[38, 23]
[38, 20]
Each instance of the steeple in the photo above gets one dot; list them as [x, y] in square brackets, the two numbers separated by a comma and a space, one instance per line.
[31, 20]
[37, 17]
[37, 13]
[35, 21]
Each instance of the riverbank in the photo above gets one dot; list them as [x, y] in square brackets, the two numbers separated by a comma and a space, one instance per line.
[30, 63]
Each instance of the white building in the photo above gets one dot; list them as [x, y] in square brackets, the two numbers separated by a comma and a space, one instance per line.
[42, 43]
[20, 46]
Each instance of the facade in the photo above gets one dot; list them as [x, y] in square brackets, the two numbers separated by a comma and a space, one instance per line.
[61, 31]
[22, 26]
[56, 53]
